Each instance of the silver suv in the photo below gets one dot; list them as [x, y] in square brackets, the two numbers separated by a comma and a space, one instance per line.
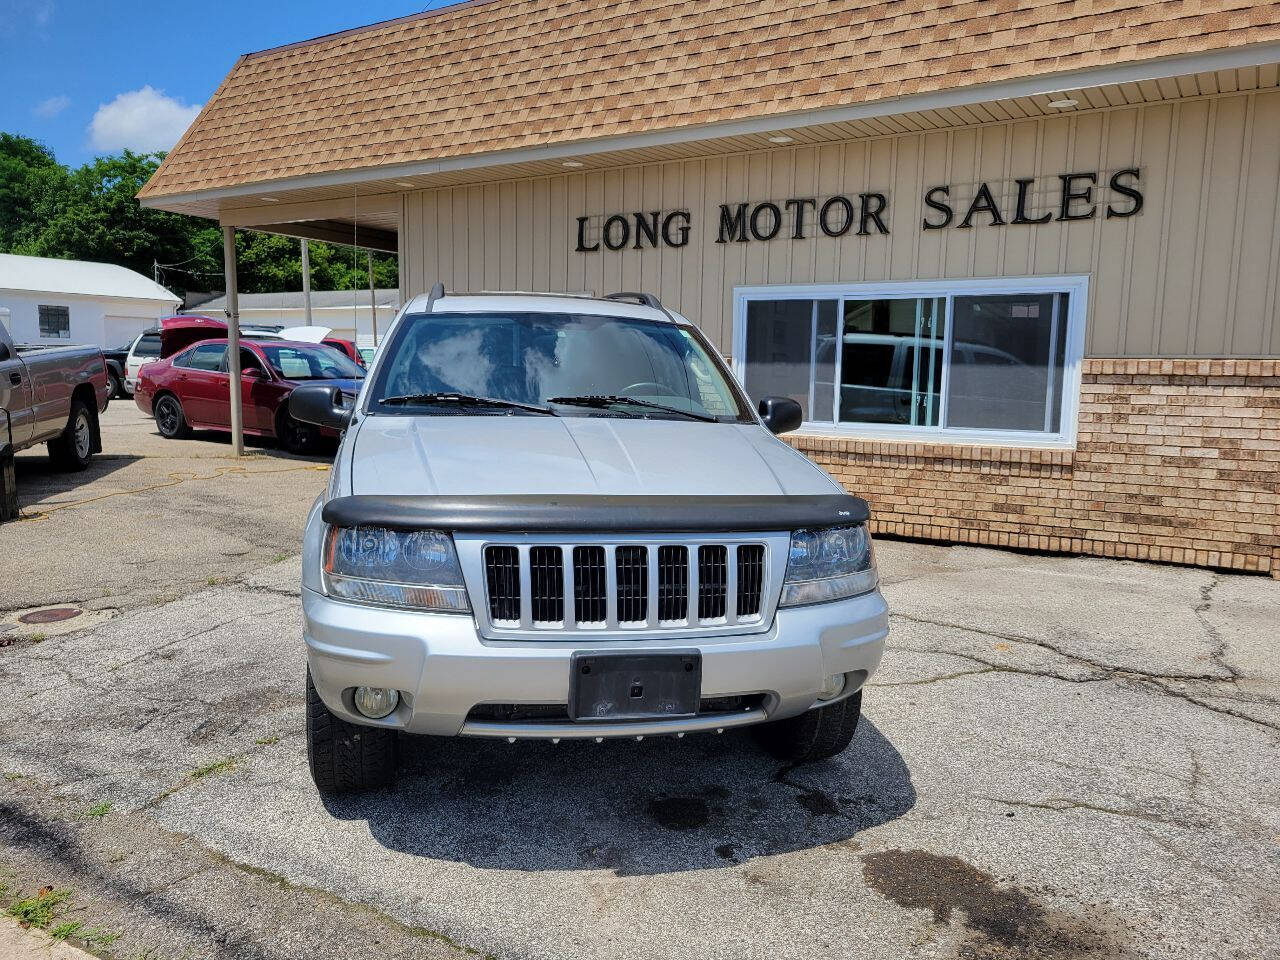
[559, 517]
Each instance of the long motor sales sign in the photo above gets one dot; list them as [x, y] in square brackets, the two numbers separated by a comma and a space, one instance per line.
[1075, 196]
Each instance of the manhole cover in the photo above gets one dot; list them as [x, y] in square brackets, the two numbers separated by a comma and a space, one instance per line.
[51, 615]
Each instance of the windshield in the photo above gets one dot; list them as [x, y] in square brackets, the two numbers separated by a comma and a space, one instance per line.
[306, 362]
[545, 359]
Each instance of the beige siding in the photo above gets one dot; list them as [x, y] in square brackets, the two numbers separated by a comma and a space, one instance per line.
[1197, 273]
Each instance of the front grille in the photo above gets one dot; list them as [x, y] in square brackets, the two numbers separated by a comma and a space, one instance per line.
[633, 584]
[653, 586]
[713, 582]
[673, 583]
[750, 578]
[502, 574]
[546, 584]
[590, 599]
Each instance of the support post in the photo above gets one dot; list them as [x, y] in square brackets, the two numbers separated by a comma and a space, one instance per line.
[233, 339]
[373, 302]
[306, 279]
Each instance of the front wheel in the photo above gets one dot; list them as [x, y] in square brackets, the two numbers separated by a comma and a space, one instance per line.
[170, 420]
[345, 757]
[816, 734]
[294, 435]
[72, 448]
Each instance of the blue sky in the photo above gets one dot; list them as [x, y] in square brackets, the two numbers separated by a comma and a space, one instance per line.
[93, 77]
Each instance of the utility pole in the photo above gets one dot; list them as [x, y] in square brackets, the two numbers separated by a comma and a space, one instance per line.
[373, 301]
[306, 279]
[233, 339]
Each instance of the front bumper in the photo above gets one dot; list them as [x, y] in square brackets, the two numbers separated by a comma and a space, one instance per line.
[443, 668]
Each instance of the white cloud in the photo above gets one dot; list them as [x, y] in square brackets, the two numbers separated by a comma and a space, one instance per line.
[51, 107]
[141, 120]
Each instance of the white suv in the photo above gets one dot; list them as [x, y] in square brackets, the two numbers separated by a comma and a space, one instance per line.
[559, 517]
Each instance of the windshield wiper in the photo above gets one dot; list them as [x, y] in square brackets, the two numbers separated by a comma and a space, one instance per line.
[610, 400]
[465, 400]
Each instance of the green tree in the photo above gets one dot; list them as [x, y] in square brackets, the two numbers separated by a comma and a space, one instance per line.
[29, 177]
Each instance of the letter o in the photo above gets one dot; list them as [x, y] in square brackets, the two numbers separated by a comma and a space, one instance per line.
[772, 208]
[848, 216]
[625, 224]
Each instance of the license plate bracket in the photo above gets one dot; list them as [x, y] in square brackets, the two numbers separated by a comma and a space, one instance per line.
[614, 686]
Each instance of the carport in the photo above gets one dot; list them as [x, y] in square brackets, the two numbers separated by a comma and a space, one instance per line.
[373, 225]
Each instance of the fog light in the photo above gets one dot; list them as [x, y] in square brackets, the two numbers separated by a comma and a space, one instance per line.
[376, 702]
[832, 686]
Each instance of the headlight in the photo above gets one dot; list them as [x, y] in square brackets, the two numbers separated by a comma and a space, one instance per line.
[829, 564]
[399, 568]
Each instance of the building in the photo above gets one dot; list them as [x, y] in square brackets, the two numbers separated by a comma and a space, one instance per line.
[1019, 262]
[345, 312]
[72, 301]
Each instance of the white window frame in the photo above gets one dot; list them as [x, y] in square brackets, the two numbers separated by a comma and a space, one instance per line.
[1075, 286]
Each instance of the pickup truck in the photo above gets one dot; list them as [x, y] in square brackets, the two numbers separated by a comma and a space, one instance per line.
[52, 395]
[560, 517]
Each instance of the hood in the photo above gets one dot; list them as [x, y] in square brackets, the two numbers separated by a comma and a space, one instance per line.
[305, 334]
[488, 455]
[178, 333]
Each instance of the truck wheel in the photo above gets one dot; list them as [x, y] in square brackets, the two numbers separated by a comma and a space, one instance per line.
[117, 387]
[72, 448]
[170, 420]
[345, 757]
[817, 734]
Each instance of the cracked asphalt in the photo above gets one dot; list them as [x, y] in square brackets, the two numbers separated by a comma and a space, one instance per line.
[1060, 758]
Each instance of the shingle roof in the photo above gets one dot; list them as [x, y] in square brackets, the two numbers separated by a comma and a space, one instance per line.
[494, 75]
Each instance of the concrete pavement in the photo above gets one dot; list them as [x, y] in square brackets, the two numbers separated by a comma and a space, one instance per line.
[1061, 758]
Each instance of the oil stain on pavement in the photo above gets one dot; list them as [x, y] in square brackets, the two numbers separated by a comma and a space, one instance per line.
[1005, 922]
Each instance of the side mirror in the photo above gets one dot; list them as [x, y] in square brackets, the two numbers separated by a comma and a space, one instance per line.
[319, 404]
[780, 414]
[253, 373]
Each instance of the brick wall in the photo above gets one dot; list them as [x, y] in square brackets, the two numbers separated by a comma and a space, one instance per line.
[1176, 461]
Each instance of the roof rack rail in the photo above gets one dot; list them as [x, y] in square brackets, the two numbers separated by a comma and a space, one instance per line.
[645, 299]
[436, 293]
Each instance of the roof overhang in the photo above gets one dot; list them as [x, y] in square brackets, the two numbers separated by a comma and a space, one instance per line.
[362, 206]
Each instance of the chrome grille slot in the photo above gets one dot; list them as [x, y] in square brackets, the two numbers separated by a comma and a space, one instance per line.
[590, 594]
[632, 565]
[627, 587]
[713, 581]
[673, 584]
[546, 584]
[502, 575]
[750, 579]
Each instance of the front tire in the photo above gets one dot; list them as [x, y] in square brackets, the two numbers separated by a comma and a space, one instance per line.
[73, 448]
[346, 757]
[294, 435]
[116, 385]
[170, 420]
[816, 734]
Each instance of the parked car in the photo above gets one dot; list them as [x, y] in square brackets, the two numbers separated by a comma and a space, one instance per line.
[347, 347]
[173, 334]
[52, 395]
[557, 517]
[117, 359]
[191, 389]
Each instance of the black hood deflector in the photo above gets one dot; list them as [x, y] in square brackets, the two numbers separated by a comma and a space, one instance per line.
[597, 514]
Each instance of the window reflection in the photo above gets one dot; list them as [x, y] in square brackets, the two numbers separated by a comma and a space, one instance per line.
[891, 362]
[989, 362]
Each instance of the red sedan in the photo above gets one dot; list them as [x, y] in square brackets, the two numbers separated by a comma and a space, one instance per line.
[192, 389]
